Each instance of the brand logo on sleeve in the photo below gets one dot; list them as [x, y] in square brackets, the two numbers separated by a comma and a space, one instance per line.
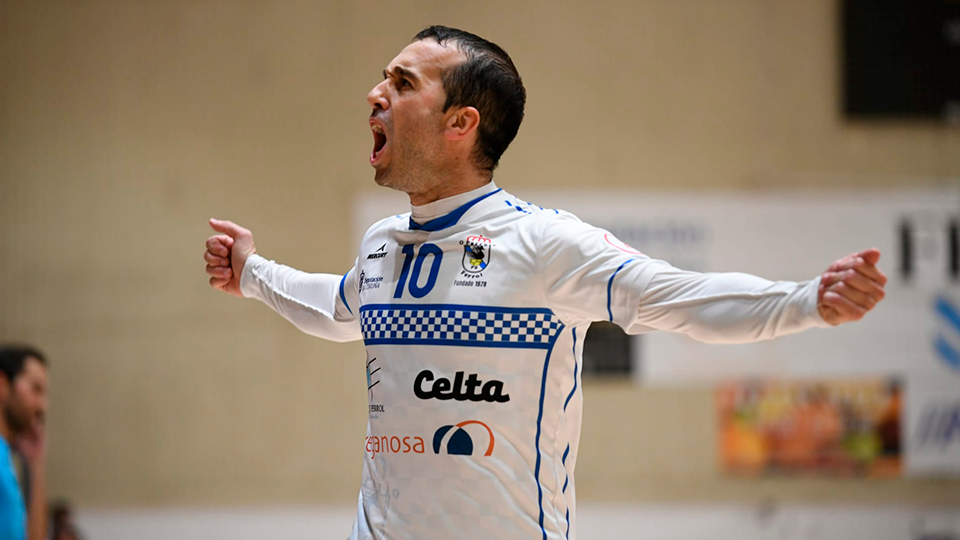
[458, 441]
[463, 388]
[379, 253]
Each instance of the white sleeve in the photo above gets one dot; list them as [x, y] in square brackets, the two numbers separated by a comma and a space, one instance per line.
[728, 307]
[589, 275]
[317, 304]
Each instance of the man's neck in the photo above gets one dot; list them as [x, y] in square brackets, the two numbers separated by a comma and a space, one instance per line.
[424, 213]
[5, 432]
[444, 190]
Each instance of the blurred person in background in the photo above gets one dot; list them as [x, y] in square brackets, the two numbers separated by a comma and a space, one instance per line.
[62, 526]
[23, 406]
[476, 303]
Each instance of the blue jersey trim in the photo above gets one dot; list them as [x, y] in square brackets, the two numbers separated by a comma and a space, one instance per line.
[450, 219]
[610, 287]
[566, 481]
[343, 296]
[517, 208]
[543, 390]
[458, 343]
[575, 366]
[454, 307]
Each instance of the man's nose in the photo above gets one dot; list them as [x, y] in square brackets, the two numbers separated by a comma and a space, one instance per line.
[376, 97]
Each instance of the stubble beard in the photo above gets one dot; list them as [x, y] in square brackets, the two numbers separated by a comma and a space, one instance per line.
[412, 170]
[17, 421]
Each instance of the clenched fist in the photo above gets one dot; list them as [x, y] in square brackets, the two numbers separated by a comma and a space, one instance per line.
[851, 287]
[226, 255]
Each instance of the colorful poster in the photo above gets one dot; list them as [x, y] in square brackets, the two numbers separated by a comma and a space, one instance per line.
[818, 427]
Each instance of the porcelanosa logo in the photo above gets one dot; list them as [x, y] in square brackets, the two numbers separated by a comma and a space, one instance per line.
[463, 388]
[393, 444]
[457, 441]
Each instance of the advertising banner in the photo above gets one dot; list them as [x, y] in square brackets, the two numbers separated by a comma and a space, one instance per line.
[835, 428]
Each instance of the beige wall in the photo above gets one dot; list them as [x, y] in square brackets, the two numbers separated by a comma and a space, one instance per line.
[125, 125]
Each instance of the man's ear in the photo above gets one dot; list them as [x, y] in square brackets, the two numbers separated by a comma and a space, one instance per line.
[4, 388]
[461, 123]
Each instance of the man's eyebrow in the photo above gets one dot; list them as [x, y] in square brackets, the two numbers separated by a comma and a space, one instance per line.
[399, 70]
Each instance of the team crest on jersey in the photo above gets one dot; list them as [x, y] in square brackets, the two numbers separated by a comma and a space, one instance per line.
[476, 259]
[476, 254]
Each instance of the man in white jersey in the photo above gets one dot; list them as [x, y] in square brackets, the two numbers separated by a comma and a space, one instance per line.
[473, 308]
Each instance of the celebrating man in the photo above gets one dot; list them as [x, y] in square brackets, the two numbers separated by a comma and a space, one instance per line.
[473, 308]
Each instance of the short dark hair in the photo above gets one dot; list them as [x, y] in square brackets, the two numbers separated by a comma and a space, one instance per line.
[13, 358]
[488, 81]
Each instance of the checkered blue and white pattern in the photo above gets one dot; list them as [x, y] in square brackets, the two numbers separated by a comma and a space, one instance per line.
[481, 325]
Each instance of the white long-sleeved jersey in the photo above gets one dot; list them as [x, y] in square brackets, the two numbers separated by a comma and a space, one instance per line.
[473, 311]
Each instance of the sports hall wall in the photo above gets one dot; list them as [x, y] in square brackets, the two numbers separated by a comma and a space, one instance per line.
[125, 125]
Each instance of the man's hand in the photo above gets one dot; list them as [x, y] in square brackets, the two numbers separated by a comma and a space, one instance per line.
[32, 445]
[851, 287]
[227, 254]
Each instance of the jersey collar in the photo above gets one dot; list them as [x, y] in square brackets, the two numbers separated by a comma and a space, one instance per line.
[444, 213]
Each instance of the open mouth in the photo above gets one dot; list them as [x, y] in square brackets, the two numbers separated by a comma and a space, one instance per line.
[379, 141]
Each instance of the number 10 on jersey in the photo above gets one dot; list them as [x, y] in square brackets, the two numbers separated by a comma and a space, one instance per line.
[408, 256]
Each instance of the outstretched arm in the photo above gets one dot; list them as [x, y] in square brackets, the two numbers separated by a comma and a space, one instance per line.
[318, 304]
[591, 276]
[727, 307]
[739, 308]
